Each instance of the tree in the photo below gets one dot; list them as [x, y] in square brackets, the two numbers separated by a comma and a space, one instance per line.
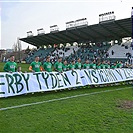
[15, 47]
[19, 48]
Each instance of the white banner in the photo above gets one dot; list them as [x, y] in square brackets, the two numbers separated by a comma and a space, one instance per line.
[12, 84]
[104, 76]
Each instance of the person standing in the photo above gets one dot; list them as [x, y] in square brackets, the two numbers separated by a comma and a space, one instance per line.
[119, 64]
[103, 65]
[93, 65]
[86, 65]
[11, 66]
[36, 66]
[78, 64]
[107, 66]
[98, 65]
[65, 65]
[113, 66]
[47, 66]
[58, 66]
[72, 65]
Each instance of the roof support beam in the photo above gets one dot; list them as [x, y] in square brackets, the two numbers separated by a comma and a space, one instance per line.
[110, 31]
[43, 39]
[79, 35]
[122, 28]
[88, 35]
[97, 32]
[35, 41]
[66, 34]
[59, 40]
[69, 32]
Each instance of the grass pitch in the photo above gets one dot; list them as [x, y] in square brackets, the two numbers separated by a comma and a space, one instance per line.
[98, 113]
[106, 112]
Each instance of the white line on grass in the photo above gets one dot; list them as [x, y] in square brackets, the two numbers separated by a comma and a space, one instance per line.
[63, 98]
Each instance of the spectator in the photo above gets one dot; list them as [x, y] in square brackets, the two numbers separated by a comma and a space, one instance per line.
[112, 52]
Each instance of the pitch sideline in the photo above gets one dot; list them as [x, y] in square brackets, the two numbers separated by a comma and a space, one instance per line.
[63, 98]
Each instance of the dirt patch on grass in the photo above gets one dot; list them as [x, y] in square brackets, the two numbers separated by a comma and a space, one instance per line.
[125, 104]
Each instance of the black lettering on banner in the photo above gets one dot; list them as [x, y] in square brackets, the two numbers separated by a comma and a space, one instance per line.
[119, 72]
[108, 78]
[18, 83]
[95, 78]
[53, 77]
[45, 77]
[126, 74]
[112, 75]
[37, 77]
[2, 76]
[65, 79]
[88, 74]
[100, 72]
[26, 80]
[129, 73]
[75, 73]
[58, 80]
[109, 75]
[10, 81]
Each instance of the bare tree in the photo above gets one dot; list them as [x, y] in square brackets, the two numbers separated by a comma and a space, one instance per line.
[15, 47]
[19, 48]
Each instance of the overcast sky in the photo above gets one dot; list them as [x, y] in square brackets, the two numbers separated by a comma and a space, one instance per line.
[18, 17]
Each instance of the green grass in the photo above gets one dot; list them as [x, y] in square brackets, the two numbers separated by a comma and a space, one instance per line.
[97, 113]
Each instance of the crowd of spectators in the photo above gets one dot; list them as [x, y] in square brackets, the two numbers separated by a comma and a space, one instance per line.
[85, 52]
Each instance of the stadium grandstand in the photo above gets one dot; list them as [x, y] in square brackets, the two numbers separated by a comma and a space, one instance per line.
[103, 40]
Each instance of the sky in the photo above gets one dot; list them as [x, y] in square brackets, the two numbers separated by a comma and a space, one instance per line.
[20, 16]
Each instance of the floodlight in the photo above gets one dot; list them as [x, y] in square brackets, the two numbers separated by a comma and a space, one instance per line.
[40, 31]
[29, 34]
[54, 28]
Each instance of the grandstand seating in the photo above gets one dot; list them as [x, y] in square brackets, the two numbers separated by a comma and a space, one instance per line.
[70, 53]
[89, 52]
[85, 52]
[120, 51]
[42, 53]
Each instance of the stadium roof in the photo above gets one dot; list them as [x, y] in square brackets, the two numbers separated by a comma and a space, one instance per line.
[95, 33]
